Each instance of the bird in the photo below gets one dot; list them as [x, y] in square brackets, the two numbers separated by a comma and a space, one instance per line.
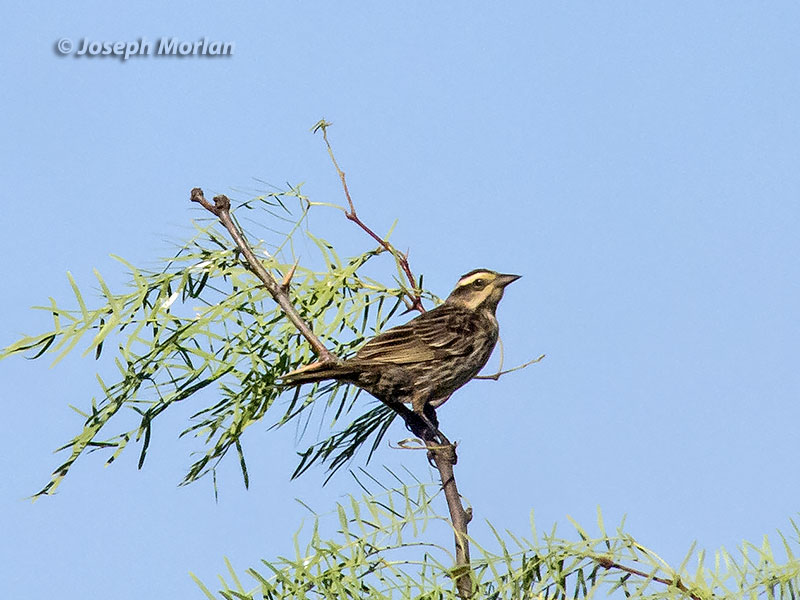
[425, 360]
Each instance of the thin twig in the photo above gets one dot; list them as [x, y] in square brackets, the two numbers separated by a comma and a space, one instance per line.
[607, 563]
[498, 374]
[414, 297]
[279, 291]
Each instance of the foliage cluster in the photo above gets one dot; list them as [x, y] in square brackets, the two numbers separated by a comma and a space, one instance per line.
[204, 321]
[381, 548]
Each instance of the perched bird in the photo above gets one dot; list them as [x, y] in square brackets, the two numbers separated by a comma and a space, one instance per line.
[424, 361]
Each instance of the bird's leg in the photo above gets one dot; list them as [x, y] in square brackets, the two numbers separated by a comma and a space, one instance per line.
[429, 411]
[424, 411]
[427, 414]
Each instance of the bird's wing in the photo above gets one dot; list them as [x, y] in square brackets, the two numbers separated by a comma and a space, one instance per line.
[428, 337]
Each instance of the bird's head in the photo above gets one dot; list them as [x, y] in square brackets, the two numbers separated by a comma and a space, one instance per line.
[480, 289]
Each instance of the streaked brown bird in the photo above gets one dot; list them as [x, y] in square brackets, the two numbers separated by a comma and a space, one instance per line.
[424, 361]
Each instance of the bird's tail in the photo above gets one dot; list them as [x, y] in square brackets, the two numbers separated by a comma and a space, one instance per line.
[318, 371]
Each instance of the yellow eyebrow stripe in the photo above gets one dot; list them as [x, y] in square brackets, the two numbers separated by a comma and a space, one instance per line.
[473, 277]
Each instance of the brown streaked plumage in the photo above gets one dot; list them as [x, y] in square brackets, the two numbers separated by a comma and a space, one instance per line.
[427, 359]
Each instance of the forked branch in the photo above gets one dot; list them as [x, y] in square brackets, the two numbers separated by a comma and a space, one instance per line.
[443, 457]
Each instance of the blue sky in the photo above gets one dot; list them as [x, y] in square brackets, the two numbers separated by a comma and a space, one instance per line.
[636, 162]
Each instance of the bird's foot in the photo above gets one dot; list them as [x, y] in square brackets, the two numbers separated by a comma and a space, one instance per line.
[432, 458]
[448, 451]
[433, 433]
[443, 446]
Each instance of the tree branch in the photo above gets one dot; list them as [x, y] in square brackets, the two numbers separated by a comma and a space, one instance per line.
[445, 458]
[279, 291]
[414, 298]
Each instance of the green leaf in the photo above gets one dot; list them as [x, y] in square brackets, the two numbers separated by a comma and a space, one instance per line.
[78, 297]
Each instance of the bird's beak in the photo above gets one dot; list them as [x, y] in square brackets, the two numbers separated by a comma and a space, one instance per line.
[503, 280]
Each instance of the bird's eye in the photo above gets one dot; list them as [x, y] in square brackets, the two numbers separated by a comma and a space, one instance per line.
[479, 284]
